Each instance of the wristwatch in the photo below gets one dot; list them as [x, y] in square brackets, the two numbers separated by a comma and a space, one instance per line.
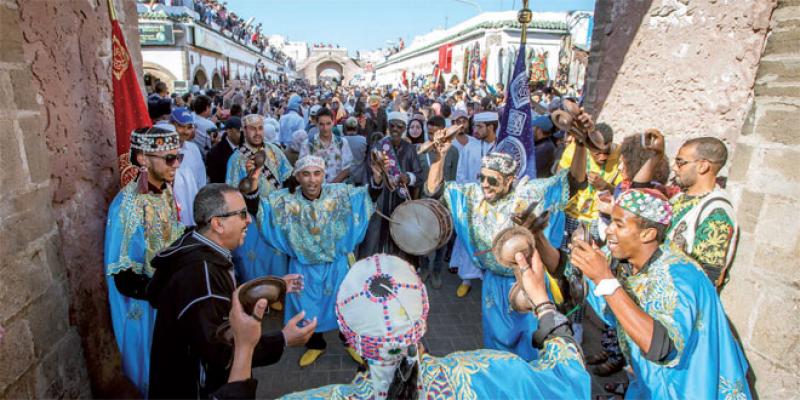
[606, 287]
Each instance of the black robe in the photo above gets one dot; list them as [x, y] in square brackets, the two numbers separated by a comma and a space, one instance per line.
[378, 239]
[191, 289]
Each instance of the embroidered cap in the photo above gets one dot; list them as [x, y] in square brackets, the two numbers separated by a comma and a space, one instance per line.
[309, 162]
[252, 120]
[500, 162]
[486, 116]
[382, 307]
[646, 203]
[155, 139]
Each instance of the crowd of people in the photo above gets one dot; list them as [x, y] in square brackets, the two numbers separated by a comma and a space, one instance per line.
[301, 182]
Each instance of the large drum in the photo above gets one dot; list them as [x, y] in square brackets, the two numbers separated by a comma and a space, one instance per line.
[419, 227]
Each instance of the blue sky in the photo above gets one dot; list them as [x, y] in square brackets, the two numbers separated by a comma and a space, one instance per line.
[368, 24]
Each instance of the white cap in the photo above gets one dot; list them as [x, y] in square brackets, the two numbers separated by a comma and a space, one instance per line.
[486, 116]
[399, 116]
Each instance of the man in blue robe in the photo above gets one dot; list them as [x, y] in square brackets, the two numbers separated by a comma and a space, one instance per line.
[256, 258]
[318, 226]
[671, 326]
[480, 211]
[142, 219]
[382, 308]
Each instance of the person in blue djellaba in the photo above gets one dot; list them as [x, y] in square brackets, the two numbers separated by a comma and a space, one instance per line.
[382, 309]
[255, 258]
[319, 227]
[670, 322]
[142, 219]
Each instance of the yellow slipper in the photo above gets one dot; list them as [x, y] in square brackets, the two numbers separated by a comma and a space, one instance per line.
[309, 357]
[354, 355]
[277, 306]
[463, 290]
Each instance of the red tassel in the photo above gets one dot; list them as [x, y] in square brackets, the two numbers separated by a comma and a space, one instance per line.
[142, 184]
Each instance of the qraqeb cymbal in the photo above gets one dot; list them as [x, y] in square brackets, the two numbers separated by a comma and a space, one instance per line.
[268, 287]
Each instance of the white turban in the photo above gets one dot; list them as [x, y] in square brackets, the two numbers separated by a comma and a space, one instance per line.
[399, 116]
[486, 116]
[298, 137]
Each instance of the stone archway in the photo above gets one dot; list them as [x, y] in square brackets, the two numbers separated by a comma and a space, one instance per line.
[216, 81]
[325, 59]
[153, 73]
[200, 78]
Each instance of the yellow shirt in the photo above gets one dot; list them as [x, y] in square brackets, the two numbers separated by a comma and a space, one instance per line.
[582, 204]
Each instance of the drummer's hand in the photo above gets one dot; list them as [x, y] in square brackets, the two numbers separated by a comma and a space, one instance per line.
[294, 282]
[246, 329]
[404, 179]
[533, 277]
[586, 120]
[377, 174]
[295, 335]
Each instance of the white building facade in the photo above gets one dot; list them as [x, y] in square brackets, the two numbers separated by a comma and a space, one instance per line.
[494, 37]
[179, 51]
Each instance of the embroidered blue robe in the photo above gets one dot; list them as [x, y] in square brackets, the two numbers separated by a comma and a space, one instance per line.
[137, 227]
[318, 236]
[476, 223]
[255, 258]
[558, 373]
[707, 362]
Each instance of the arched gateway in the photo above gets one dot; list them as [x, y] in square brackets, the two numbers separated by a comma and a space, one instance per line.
[328, 59]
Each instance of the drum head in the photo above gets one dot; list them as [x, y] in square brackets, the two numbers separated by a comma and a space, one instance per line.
[417, 228]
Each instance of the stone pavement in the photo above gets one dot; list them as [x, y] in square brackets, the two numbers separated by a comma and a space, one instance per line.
[453, 324]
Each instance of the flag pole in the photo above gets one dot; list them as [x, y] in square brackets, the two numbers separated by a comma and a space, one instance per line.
[524, 17]
[111, 11]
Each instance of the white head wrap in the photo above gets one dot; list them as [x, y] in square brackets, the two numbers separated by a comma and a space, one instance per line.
[486, 116]
[399, 116]
[309, 162]
[298, 137]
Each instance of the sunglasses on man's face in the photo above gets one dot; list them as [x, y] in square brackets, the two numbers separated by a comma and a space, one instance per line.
[241, 213]
[492, 180]
[169, 159]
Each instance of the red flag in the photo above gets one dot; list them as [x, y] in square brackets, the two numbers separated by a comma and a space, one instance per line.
[130, 110]
[446, 57]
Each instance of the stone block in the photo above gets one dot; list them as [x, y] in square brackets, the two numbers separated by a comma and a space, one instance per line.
[9, 26]
[738, 299]
[779, 309]
[773, 380]
[35, 149]
[48, 331]
[23, 280]
[780, 263]
[24, 95]
[776, 226]
[779, 124]
[748, 209]
[740, 162]
[783, 164]
[22, 388]
[783, 42]
[16, 351]
[12, 173]
[781, 71]
[62, 373]
[768, 90]
[20, 229]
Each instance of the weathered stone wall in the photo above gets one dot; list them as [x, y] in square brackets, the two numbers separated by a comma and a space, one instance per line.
[59, 175]
[685, 67]
[695, 68]
[41, 351]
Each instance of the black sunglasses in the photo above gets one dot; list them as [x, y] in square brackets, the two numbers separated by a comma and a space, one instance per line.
[492, 180]
[169, 159]
[241, 213]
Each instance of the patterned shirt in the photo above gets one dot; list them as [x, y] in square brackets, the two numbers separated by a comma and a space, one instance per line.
[336, 153]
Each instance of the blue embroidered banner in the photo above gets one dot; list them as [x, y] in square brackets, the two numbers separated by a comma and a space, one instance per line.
[516, 136]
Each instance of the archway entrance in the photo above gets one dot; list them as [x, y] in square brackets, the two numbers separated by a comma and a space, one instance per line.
[200, 79]
[216, 82]
[330, 71]
[153, 73]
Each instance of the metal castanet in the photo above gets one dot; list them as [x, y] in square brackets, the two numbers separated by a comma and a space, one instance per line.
[268, 287]
[568, 121]
[449, 134]
[259, 158]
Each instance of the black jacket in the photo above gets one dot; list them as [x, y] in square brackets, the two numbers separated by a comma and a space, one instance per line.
[217, 161]
[191, 289]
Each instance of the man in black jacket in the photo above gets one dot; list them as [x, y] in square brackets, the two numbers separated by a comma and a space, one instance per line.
[191, 289]
[217, 158]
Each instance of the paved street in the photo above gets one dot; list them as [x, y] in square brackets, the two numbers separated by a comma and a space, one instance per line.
[453, 324]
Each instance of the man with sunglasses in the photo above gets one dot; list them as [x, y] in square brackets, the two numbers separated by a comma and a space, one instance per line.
[480, 211]
[319, 227]
[192, 288]
[402, 169]
[703, 223]
[142, 219]
[255, 258]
